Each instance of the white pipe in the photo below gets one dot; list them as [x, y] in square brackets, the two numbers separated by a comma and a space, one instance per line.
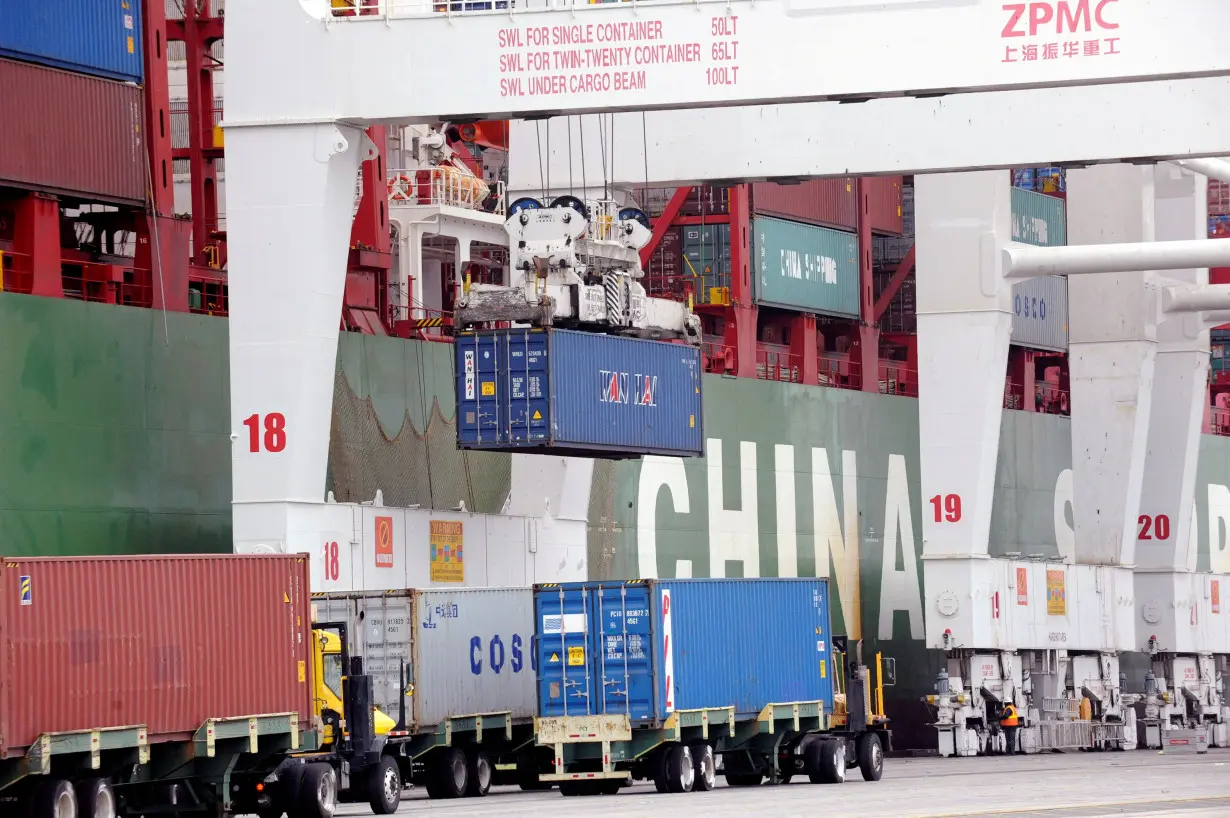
[1196, 298]
[1218, 169]
[1022, 261]
[1215, 318]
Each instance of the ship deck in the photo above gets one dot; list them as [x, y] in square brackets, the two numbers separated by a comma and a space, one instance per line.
[1072, 785]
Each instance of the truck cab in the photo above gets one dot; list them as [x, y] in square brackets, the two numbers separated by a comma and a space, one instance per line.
[327, 656]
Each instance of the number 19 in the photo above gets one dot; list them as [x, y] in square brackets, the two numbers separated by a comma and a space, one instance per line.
[947, 508]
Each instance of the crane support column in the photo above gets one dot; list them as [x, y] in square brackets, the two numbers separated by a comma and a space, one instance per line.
[290, 203]
[1177, 609]
[1112, 348]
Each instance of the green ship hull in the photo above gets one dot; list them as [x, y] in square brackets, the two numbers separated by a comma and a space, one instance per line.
[116, 440]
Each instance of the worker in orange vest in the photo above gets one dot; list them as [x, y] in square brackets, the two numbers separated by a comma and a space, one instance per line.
[1010, 721]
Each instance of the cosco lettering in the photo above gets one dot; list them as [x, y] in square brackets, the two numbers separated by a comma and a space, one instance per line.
[493, 655]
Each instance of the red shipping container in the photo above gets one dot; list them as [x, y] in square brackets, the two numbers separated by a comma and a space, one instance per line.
[167, 642]
[884, 204]
[827, 202]
[71, 134]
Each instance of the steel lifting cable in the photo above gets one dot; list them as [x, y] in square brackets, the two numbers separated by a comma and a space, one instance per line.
[572, 188]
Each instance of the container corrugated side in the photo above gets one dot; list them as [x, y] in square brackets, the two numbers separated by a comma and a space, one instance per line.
[579, 393]
[1040, 313]
[831, 202]
[804, 267]
[884, 204]
[168, 642]
[474, 653]
[1040, 305]
[97, 37]
[646, 649]
[85, 139]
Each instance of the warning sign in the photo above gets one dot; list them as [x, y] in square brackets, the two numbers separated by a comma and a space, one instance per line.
[1022, 585]
[1056, 594]
[1215, 595]
[447, 554]
[537, 415]
[576, 656]
[554, 660]
[384, 542]
[488, 388]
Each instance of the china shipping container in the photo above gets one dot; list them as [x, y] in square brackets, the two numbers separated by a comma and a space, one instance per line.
[584, 394]
[97, 37]
[162, 641]
[805, 267]
[648, 647]
[1040, 305]
[464, 651]
[71, 134]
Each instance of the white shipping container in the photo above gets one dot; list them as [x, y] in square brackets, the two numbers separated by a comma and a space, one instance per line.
[1040, 313]
[465, 651]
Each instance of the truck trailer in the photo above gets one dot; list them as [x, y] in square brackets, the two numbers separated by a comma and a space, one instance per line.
[452, 686]
[157, 684]
[665, 679]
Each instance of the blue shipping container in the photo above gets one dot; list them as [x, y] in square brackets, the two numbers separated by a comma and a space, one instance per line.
[97, 37]
[647, 648]
[584, 394]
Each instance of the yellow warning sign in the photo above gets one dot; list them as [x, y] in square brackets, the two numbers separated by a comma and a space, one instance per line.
[554, 660]
[537, 415]
[823, 670]
[488, 388]
[576, 656]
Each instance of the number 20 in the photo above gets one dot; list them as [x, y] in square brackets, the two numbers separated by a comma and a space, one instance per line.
[1160, 525]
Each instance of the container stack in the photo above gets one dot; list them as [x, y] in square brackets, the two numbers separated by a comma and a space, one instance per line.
[1219, 209]
[71, 99]
[1051, 181]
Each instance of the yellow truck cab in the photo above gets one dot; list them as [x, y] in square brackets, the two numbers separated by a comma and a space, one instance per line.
[327, 658]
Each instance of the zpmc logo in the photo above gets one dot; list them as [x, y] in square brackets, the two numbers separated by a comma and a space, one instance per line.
[384, 542]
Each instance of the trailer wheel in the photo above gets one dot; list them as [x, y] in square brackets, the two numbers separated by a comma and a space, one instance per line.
[478, 773]
[528, 772]
[705, 766]
[870, 757]
[449, 775]
[744, 779]
[570, 789]
[384, 787]
[56, 799]
[826, 762]
[95, 799]
[609, 786]
[317, 792]
[680, 769]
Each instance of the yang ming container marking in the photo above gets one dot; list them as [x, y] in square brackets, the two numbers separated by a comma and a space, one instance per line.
[1040, 305]
[648, 648]
[97, 37]
[804, 267]
[462, 651]
[583, 394]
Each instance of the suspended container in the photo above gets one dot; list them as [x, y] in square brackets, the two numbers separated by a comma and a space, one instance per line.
[101, 38]
[884, 207]
[804, 267]
[580, 394]
[1040, 305]
[646, 648]
[830, 202]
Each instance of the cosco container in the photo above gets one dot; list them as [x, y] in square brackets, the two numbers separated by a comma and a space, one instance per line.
[1040, 305]
[804, 267]
[585, 394]
[646, 648]
[98, 37]
[71, 134]
[440, 653]
[165, 642]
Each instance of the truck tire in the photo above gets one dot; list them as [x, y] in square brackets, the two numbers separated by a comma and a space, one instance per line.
[528, 772]
[870, 757]
[317, 792]
[449, 774]
[55, 799]
[478, 773]
[825, 762]
[744, 779]
[680, 770]
[609, 786]
[706, 767]
[384, 787]
[95, 799]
